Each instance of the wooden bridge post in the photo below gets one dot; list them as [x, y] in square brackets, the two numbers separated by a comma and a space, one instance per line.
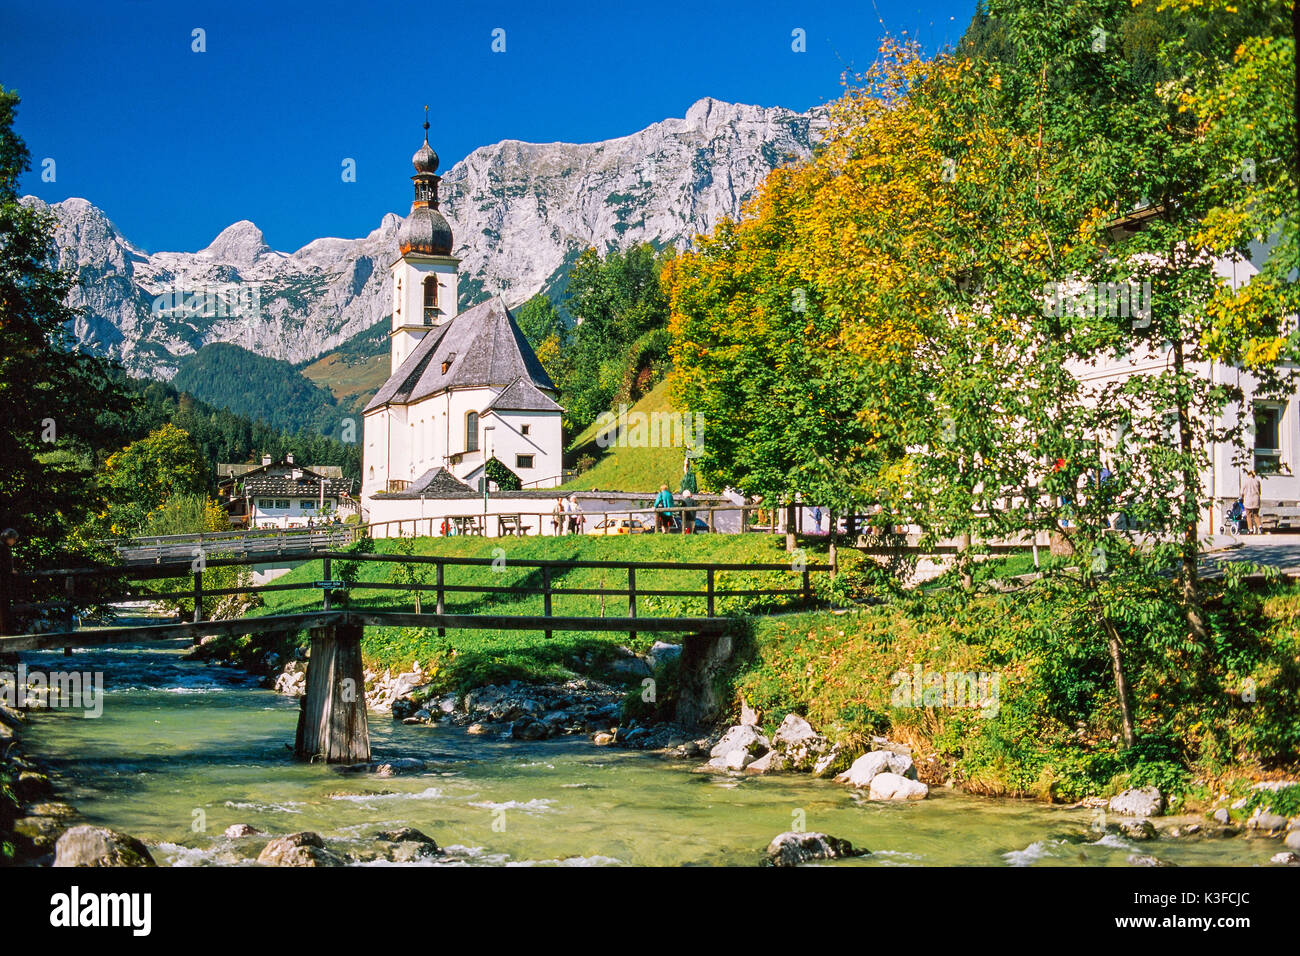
[198, 597]
[325, 600]
[710, 590]
[332, 722]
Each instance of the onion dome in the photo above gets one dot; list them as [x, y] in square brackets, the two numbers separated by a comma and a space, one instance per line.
[424, 231]
[425, 159]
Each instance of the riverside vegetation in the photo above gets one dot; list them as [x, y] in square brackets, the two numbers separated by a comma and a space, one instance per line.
[1208, 719]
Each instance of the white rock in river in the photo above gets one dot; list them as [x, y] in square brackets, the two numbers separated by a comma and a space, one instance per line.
[1293, 840]
[1143, 802]
[100, 846]
[798, 743]
[891, 786]
[743, 738]
[868, 766]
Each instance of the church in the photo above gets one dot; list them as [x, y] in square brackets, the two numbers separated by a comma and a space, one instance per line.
[465, 387]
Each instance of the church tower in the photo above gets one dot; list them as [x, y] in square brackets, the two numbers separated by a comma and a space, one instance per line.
[424, 275]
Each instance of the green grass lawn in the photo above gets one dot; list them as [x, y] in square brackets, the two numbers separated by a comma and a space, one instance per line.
[629, 469]
[466, 658]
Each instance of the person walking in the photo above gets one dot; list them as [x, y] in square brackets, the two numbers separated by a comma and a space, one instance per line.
[817, 520]
[575, 515]
[1250, 501]
[663, 500]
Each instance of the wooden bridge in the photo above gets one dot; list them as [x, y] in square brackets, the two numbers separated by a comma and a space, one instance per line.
[332, 721]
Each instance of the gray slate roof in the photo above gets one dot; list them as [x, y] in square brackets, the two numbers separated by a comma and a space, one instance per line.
[233, 470]
[438, 481]
[305, 487]
[484, 347]
[522, 395]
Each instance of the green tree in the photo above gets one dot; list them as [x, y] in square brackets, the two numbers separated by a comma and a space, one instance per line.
[146, 473]
[50, 393]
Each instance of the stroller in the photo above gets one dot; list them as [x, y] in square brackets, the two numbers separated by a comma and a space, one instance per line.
[1235, 519]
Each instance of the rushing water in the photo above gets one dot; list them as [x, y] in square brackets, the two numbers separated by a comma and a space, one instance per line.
[181, 744]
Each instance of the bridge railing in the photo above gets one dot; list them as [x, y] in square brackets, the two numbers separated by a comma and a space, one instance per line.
[89, 587]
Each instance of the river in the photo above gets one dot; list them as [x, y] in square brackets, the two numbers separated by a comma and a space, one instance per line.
[183, 750]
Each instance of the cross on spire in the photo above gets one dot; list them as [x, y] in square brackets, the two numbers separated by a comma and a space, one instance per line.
[426, 124]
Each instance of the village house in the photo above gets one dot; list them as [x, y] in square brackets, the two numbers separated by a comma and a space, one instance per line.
[283, 494]
[1272, 425]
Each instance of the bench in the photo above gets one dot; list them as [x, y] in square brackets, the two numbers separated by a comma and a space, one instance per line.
[511, 525]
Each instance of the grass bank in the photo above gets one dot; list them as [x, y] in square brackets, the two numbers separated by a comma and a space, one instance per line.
[1014, 695]
[467, 658]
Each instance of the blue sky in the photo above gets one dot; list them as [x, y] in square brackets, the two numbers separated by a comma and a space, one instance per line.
[174, 145]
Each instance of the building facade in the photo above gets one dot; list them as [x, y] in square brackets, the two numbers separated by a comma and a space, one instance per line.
[465, 387]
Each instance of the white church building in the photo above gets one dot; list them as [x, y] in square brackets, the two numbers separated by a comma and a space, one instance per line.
[464, 387]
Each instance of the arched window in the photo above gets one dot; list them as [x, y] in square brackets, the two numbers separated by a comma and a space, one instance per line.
[430, 300]
[471, 431]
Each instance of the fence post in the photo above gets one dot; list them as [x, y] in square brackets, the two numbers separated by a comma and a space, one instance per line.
[631, 597]
[442, 631]
[710, 591]
[710, 521]
[327, 590]
[546, 595]
[198, 597]
[807, 586]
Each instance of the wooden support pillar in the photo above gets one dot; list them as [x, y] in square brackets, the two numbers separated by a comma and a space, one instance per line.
[703, 658]
[790, 543]
[332, 723]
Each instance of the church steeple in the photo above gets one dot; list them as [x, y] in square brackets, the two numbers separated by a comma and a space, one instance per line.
[425, 231]
[424, 275]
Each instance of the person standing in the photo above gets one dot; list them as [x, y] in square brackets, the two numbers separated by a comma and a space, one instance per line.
[557, 518]
[1250, 501]
[575, 515]
[663, 500]
[817, 520]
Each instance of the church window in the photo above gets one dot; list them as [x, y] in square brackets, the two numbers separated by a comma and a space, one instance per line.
[399, 295]
[430, 300]
[523, 429]
[471, 431]
[523, 461]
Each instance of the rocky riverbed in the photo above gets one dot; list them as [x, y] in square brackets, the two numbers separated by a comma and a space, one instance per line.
[545, 773]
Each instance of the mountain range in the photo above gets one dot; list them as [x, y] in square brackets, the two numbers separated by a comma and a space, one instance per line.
[520, 212]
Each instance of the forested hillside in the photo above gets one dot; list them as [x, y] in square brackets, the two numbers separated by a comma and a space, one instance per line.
[263, 389]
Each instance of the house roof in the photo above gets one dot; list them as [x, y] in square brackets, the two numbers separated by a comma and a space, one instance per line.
[226, 470]
[522, 395]
[438, 482]
[480, 347]
[307, 486]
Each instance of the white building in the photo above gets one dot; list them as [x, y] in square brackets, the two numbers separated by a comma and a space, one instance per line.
[285, 495]
[1272, 432]
[465, 388]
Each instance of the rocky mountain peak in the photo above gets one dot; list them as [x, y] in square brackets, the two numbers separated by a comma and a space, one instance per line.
[240, 243]
[521, 214]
